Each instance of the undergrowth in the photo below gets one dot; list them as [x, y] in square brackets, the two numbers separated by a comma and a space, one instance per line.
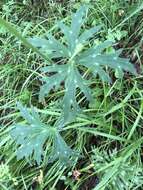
[71, 95]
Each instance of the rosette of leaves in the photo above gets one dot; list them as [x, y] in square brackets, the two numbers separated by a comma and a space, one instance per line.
[72, 50]
[33, 136]
[116, 172]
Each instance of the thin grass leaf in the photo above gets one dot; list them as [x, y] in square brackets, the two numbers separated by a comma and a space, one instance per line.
[14, 32]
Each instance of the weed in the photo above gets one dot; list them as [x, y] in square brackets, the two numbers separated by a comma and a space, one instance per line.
[95, 141]
[77, 57]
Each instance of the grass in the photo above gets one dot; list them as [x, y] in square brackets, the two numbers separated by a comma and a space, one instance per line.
[108, 134]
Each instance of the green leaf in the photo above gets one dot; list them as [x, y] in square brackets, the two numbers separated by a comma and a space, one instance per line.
[87, 34]
[57, 46]
[75, 58]
[117, 170]
[73, 80]
[14, 32]
[51, 46]
[51, 82]
[70, 106]
[61, 151]
[39, 43]
[65, 30]
[32, 137]
[109, 60]
[55, 68]
[94, 51]
[77, 21]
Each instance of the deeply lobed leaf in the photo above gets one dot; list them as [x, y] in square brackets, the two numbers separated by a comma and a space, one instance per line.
[33, 136]
[76, 56]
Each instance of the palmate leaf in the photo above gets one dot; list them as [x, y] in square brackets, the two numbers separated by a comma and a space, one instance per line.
[33, 136]
[76, 57]
[73, 80]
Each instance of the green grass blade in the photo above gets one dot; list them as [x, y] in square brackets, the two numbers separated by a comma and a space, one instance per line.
[135, 125]
[137, 10]
[95, 132]
[15, 33]
[120, 105]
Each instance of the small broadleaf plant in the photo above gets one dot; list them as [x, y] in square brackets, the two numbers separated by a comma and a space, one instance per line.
[33, 136]
[75, 57]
